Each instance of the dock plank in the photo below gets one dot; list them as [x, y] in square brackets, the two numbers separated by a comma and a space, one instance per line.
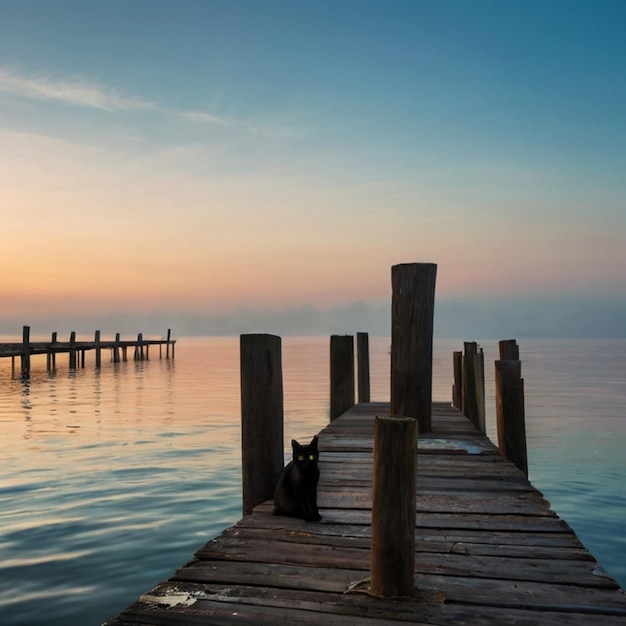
[488, 548]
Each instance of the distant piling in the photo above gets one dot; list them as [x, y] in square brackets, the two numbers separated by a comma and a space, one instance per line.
[457, 387]
[473, 385]
[341, 374]
[72, 351]
[25, 361]
[363, 367]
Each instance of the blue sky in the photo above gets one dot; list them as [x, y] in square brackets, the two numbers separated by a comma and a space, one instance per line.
[257, 160]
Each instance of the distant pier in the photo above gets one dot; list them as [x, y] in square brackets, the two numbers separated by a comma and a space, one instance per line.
[76, 349]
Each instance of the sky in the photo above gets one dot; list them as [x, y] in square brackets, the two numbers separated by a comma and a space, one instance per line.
[259, 165]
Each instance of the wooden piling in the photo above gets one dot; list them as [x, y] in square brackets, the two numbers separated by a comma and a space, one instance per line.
[139, 354]
[167, 348]
[116, 349]
[262, 447]
[509, 350]
[98, 349]
[510, 413]
[457, 387]
[72, 351]
[412, 314]
[473, 385]
[53, 354]
[394, 507]
[25, 360]
[363, 366]
[341, 374]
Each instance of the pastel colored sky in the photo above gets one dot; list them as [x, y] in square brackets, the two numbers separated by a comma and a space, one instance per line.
[203, 157]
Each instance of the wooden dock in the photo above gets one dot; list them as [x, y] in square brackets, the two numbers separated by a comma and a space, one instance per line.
[488, 548]
[76, 349]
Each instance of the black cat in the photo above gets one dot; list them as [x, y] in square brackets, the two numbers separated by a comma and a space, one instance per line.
[296, 490]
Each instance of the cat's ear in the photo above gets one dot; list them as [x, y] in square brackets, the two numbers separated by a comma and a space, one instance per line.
[295, 445]
[313, 443]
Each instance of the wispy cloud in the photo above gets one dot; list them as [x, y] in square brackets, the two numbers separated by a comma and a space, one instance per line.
[205, 118]
[76, 91]
[85, 92]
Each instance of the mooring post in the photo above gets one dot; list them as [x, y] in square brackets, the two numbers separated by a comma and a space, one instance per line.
[394, 507]
[363, 366]
[510, 413]
[341, 374]
[25, 352]
[457, 387]
[412, 314]
[98, 349]
[54, 353]
[116, 349]
[72, 350]
[167, 349]
[262, 447]
[473, 385]
[139, 356]
[509, 350]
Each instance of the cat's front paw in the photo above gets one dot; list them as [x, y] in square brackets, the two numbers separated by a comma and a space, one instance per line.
[315, 517]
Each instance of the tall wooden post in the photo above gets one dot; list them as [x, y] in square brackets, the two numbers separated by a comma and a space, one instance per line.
[473, 396]
[509, 350]
[262, 447]
[412, 313]
[363, 366]
[457, 387]
[25, 352]
[510, 413]
[54, 354]
[139, 355]
[394, 507]
[98, 349]
[167, 349]
[72, 350]
[116, 349]
[341, 374]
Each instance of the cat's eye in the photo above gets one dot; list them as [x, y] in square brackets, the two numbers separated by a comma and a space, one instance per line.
[301, 457]
[311, 457]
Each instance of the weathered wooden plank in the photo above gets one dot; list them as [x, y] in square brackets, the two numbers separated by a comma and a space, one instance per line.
[461, 560]
[467, 589]
[485, 544]
[328, 532]
[216, 600]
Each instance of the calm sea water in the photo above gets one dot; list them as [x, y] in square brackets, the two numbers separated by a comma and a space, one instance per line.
[110, 479]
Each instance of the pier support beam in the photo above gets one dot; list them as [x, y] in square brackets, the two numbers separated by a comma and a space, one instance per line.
[262, 446]
[394, 507]
[412, 313]
[341, 374]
